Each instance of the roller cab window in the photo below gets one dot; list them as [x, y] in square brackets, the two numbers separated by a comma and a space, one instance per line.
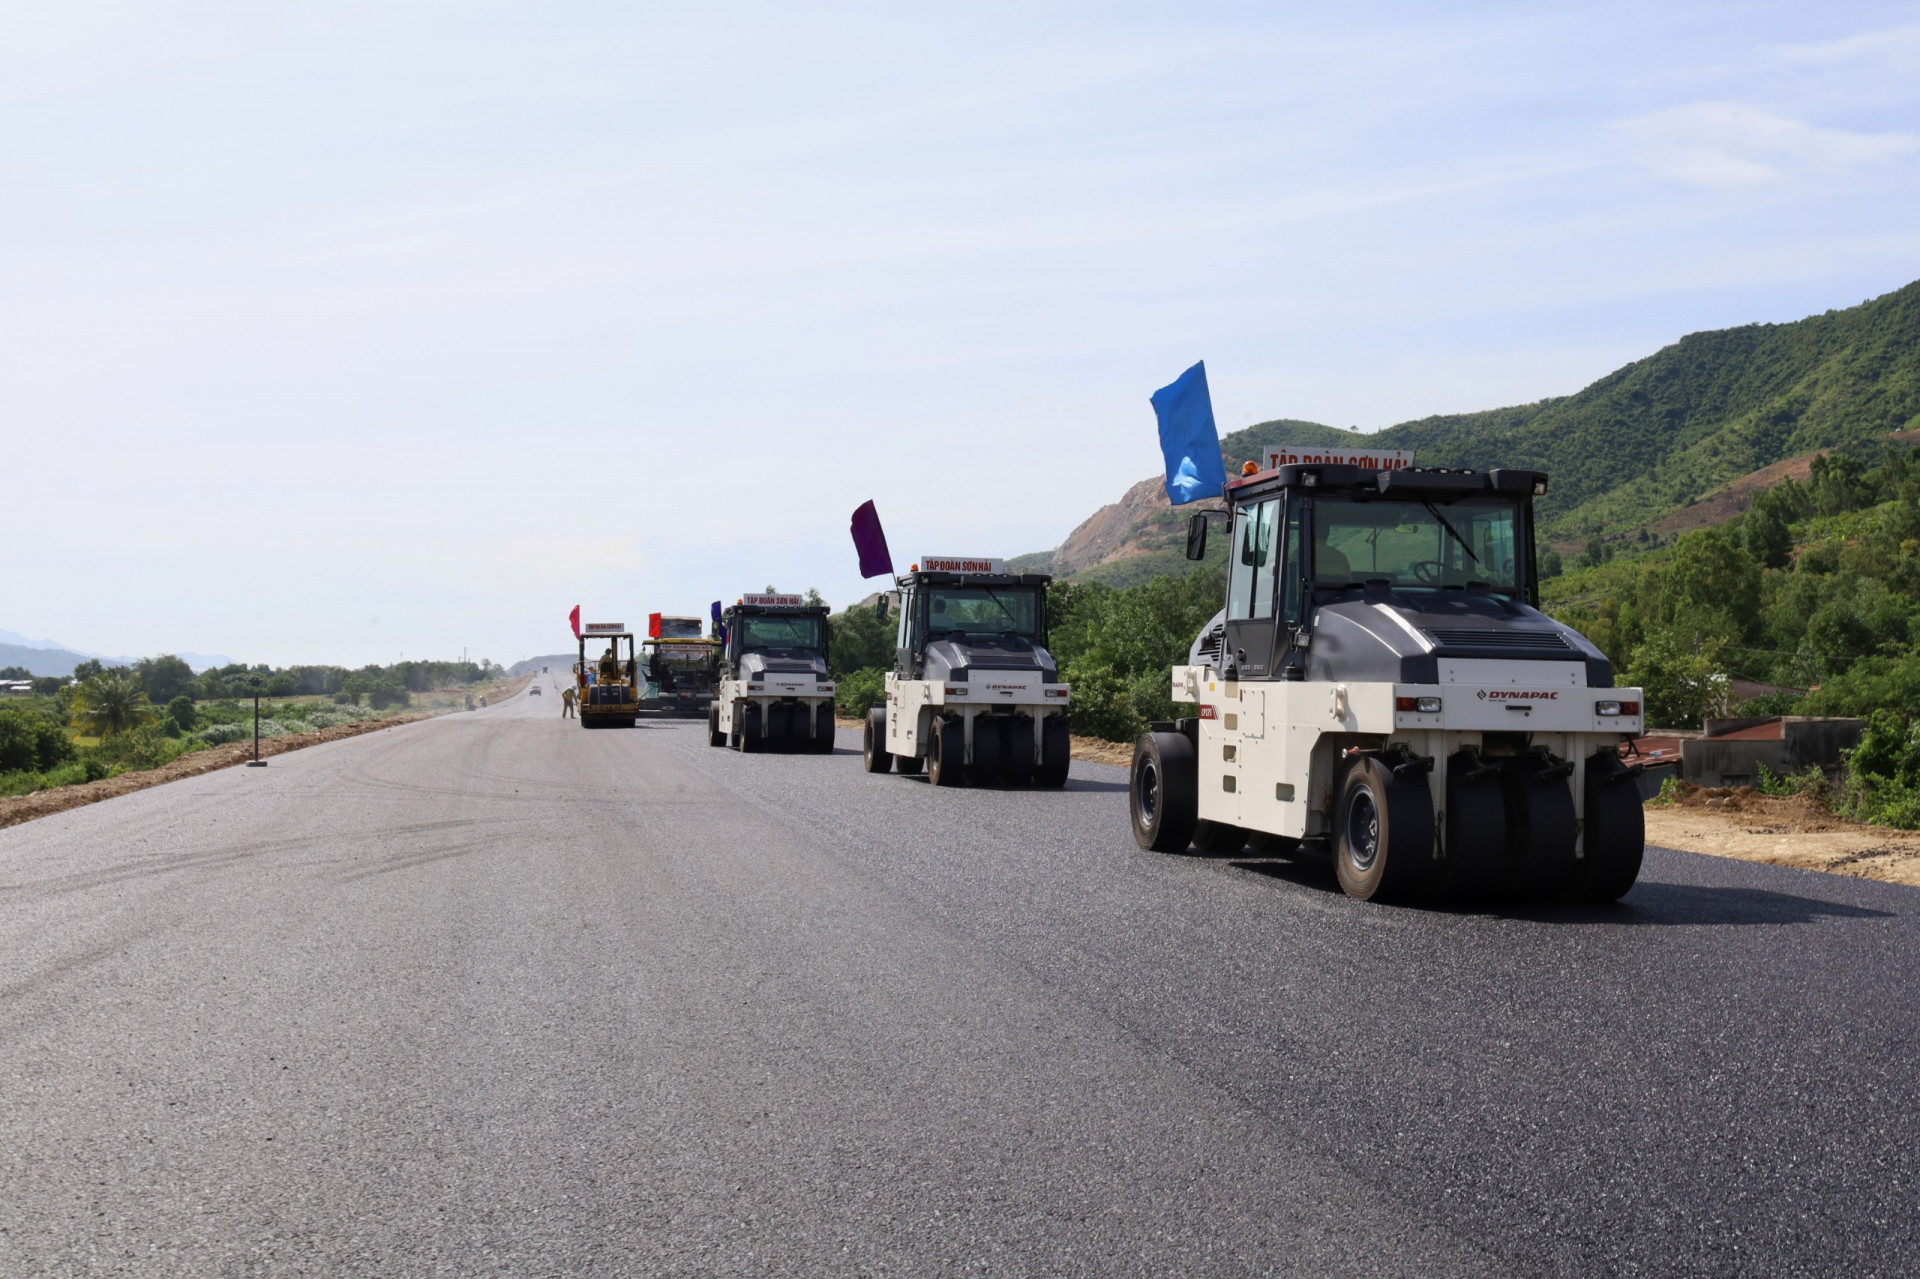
[780, 633]
[1436, 544]
[1254, 586]
[959, 611]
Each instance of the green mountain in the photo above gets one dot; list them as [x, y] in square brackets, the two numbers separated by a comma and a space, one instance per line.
[1712, 407]
[1632, 448]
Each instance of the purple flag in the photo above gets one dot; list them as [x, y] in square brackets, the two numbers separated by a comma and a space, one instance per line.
[871, 541]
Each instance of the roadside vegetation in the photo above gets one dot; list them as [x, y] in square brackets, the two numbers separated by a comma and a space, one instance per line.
[112, 720]
[1813, 594]
[1115, 645]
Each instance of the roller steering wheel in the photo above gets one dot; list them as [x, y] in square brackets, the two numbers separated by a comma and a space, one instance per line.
[1427, 572]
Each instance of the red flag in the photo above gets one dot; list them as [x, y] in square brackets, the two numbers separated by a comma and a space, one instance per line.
[653, 626]
[574, 617]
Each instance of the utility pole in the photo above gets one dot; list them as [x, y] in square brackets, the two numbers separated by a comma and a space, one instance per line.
[256, 761]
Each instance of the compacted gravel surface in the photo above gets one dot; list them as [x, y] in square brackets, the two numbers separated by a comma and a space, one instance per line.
[492, 993]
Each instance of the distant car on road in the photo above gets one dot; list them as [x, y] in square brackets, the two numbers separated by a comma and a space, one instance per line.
[534, 691]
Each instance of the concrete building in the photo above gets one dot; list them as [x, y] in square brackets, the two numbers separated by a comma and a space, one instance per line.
[1731, 752]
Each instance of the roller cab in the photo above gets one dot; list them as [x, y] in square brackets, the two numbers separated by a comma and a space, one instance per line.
[974, 696]
[775, 693]
[1382, 689]
[607, 677]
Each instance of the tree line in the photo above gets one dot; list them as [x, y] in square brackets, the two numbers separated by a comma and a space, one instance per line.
[157, 708]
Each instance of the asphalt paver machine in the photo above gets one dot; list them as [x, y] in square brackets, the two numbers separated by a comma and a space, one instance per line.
[775, 693]
[974, 695]
[681, 666]
[1382, 689]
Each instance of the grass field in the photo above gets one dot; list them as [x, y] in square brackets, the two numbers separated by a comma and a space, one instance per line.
[225, 721]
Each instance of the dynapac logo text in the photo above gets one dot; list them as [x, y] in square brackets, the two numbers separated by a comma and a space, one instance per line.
[1515, 695]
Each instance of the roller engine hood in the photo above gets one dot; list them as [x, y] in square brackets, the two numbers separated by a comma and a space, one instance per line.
[781, 661]
[954, 657]
[1400, 636]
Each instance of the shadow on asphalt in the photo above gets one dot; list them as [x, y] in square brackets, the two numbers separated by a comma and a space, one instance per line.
[1073, 784]
[1648, 904]
[1655, 903]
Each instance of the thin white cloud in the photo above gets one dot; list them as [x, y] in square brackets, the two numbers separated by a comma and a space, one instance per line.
[1735, 144]
[1898, 47]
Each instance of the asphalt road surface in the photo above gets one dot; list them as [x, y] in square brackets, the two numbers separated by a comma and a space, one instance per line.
[494, 994]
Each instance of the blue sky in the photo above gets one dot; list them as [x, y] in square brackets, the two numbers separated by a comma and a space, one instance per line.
[338, 332]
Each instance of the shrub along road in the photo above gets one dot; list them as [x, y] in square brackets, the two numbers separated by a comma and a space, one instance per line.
[15, 809]
[492, 991]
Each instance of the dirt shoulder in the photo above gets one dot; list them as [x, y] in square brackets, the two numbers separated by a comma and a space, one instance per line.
[24, 808]
[1744, 824]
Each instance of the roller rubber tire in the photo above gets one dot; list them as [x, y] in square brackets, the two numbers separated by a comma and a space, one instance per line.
[910, 765]
[1541, 837]
[1476, 841]
[1382, 834]
[989, 750]
[779, 726]
[1218, 838]
[947, 753]
[873, 742]
[823, 729]
[1017, 766]
[1616, 835]
[752, 739]
[1163, 792]
[1056, 753]
[1262, 844]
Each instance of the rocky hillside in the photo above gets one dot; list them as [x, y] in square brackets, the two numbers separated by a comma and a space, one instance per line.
[1141, 535]
[1682, 438]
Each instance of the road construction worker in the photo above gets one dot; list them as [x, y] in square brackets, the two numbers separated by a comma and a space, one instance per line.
[566, 703]
[609, 666]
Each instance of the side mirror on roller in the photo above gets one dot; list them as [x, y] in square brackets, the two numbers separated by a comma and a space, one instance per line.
[880, 606]
[1197, 536]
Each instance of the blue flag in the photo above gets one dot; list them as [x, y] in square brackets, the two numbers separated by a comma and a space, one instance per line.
[1189, 439]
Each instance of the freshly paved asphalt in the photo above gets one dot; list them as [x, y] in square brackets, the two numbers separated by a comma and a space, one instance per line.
[494, 994]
